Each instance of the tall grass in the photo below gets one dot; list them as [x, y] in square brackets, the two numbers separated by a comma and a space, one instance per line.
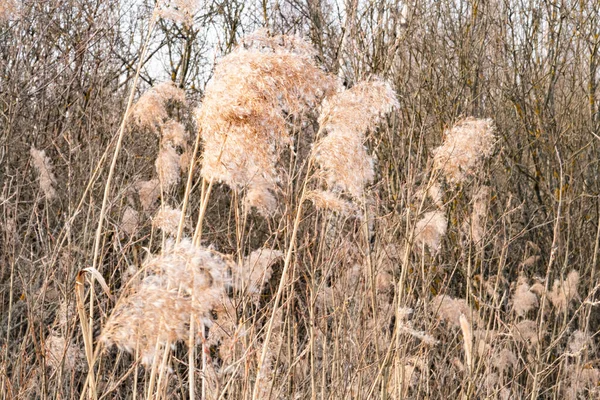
[294, 235]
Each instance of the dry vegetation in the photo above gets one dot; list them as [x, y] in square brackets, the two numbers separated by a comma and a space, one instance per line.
[357, 200]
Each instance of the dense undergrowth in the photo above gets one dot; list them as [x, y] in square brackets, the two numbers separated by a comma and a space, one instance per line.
[397, 200]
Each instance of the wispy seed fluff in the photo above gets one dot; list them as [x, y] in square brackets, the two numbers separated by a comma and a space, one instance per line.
[564, 291]
[43, 167]
[185, 281]
[347, 117]
[244, 116]
[148, 192]
[177, 10]
[168, 166]
[465, 145]
[129, 221]
[167, 219]
[61, 353]
[524, 299]
[150, 110]
[475, 227]
[174, 134]
[255, 271]
[449, 309]
[327, 200]
[9, 9]
[430, 230]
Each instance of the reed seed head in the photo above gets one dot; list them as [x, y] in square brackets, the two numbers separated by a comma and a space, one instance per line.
[184, 282]
[43, 167]
[466, 144]
[347, 117]
[244, 117]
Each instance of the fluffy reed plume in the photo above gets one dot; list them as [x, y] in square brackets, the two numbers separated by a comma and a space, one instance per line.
[524, 299]
[347, 117]
[148, 192]
[430, 230]
[578, 342]
[327, 200]
[225, 331]
[129, 221]
[59, 352]
[504, 360]
[150, 110]
[405, 326]
[583, 382]
[167, 219]
[526, 331]
[168, 166]
[177, 10]
[255, 272]
[260, 196]
[174, 133]
[563, 292]
[243, 116]
[9, 9]
[465, 145]
[435, 193]
[185, 281]
[476, 225]
[449, 310]
[43, 167]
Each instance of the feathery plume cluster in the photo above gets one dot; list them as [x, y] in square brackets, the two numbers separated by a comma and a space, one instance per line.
[578, 341]
[150, 110]
[167, 219]
[174, 134]
[584, 383]
[327, 200]
[61, 353]
[526, 331]
[148, 192]
[177, 10]
[9, 9]
[563, 292]
[185, 281]
[406, 327]
[449, 309]
[524, 299]
[476, 226]
[255, 272]
[43, 167]
[467, 143]
[129, 221]
[347, 117]
[430, 230]
[168, 166]
[504, 360]
[243, 116]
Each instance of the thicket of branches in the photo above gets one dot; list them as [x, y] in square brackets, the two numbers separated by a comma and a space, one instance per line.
[287, 199]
